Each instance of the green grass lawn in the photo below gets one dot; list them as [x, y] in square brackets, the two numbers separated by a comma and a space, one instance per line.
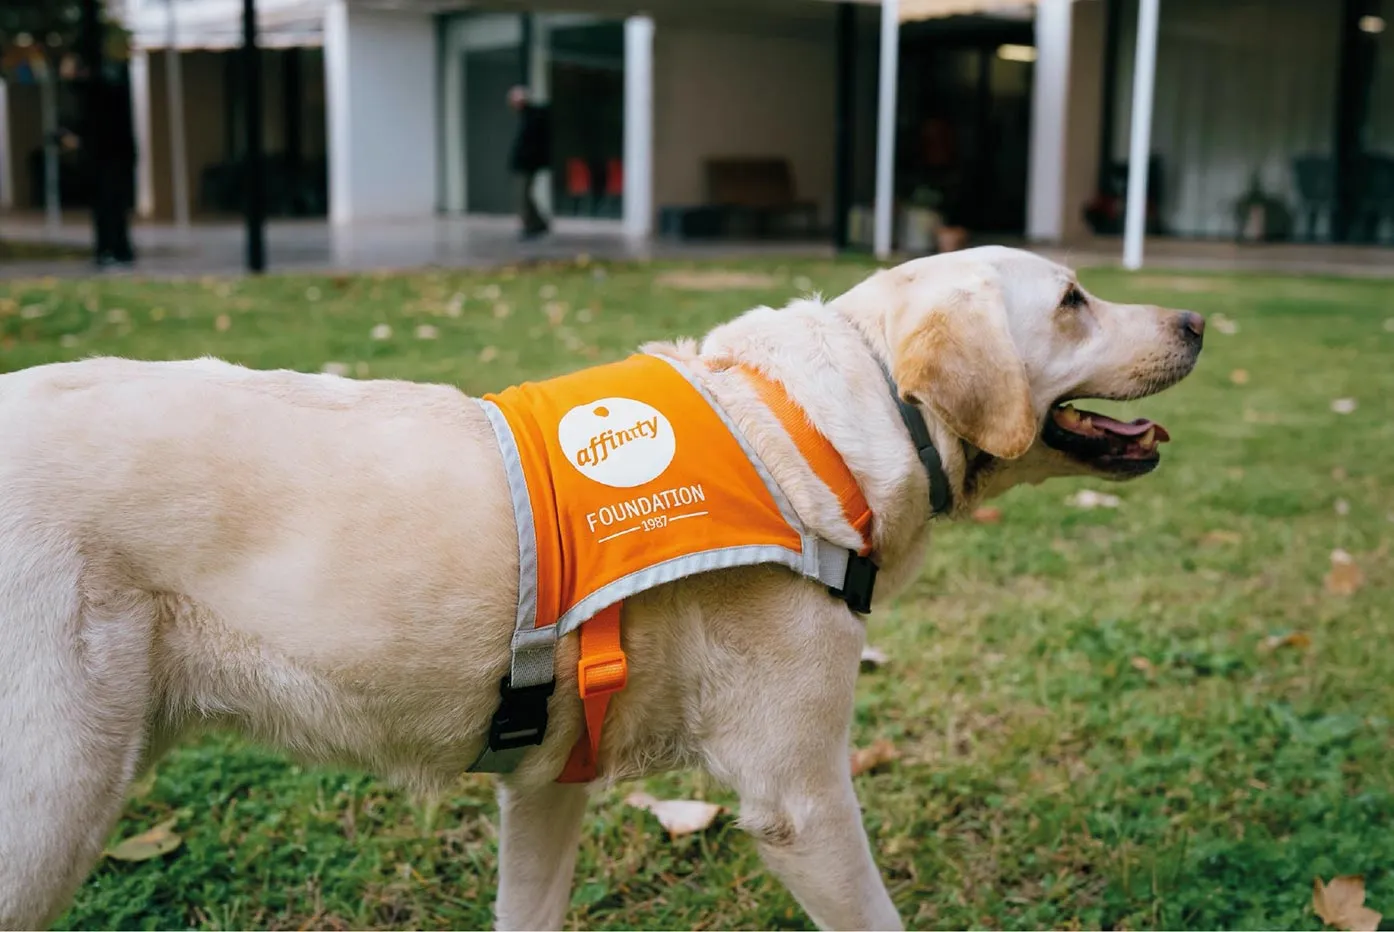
[1095, 729]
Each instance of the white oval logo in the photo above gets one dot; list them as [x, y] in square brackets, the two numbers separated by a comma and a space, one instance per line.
[617, 442]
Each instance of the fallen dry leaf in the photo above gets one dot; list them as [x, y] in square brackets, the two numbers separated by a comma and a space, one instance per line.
[502, 310]
[1343, 405]
[1222, 537]
[148, 844]
[679, 816]
[1143, 665]
[987, 515]
[556, 312]
[879, 753]
[1224, 324]
[874, 657]
[1239, 376]
[1088, 498]
[715, 280]
[1345, 576]
[382, 332]
[426, 332]
[488, 354]
[1342, 507]
[1339, 474]
[1296, 639]
[223, 323]
[1341, 903]
[335, 368]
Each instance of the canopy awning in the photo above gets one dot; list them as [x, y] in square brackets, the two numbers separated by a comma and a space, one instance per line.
[911, 10]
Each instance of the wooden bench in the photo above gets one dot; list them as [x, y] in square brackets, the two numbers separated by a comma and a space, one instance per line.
[745, 198]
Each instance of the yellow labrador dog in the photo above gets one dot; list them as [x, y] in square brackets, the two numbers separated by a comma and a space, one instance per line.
[324, 565]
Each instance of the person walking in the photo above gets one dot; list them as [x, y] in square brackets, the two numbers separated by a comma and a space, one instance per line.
[105, 140]
[532, 153]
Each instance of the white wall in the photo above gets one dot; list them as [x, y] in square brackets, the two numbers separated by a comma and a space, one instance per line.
[380, 84]
[730, 94]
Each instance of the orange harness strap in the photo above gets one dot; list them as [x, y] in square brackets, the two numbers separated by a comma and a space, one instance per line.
[821, 455]
[603, 670]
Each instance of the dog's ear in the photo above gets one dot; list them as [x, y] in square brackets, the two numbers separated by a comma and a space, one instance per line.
[958, 359]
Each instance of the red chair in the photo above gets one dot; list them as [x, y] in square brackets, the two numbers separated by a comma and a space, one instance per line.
[578, 182]
[614, 178]
[614, 186]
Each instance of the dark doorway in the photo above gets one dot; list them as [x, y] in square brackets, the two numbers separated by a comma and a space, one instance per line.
[965, 120]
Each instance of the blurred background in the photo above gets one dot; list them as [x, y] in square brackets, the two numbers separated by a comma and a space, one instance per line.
[380, 130]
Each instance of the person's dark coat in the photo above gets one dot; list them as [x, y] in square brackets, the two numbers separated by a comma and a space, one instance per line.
[532, 147]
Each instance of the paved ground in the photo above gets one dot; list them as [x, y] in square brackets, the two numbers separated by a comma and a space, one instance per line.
[312, 246]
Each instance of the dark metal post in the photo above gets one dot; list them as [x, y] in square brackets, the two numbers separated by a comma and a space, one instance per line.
[293, 119]
[846, 101]
[1113, 27]
[1356, 73]
[254, 159]
[96, 141]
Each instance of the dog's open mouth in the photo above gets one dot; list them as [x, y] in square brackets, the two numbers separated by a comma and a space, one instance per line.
[1103, 443]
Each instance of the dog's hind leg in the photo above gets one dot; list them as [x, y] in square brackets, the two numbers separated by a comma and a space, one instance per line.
[540, 830]
[74, 689]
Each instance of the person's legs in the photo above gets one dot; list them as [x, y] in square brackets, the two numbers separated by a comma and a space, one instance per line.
[122, 204]
[533, 222]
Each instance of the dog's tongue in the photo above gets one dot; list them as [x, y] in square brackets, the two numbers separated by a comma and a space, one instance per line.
[1089, 423]
[1133, 429]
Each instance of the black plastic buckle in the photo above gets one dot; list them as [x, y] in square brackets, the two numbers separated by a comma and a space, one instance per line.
[521, 719]
[858, 584]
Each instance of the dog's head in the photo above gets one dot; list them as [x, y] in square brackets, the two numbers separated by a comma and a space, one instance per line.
[995, 343]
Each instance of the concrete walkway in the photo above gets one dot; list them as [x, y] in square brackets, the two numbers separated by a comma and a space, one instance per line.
[315, 246]
[216, 248]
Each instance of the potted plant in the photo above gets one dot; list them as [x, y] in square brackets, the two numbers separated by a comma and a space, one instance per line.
[920, 220]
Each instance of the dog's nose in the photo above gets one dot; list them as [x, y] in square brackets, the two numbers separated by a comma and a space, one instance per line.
[1193, 324]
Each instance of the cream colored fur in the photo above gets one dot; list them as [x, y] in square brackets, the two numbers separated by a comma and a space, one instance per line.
[316, 562]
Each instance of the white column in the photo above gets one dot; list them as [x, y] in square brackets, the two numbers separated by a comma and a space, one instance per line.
[1050, 98]
[140, 116]
[452, 120]
[1144, 76]
[174, 107]
[338, 136]
[885, 128]
[7, 165]
[540, 91]
[638, 126]
[380, 105]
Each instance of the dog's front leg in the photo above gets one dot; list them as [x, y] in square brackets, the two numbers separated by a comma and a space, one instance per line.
[778, 723]
[812, 839]
[540, 829]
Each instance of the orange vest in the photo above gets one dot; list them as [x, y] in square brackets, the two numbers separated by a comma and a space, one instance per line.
[627, 476]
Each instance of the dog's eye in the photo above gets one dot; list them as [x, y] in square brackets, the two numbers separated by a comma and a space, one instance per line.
[1073, 298]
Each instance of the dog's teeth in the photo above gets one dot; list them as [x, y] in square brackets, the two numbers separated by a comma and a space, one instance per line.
[1069, 417]
[1148, 440]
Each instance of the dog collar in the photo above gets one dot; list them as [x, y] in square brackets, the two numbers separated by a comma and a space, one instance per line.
[941, 493]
